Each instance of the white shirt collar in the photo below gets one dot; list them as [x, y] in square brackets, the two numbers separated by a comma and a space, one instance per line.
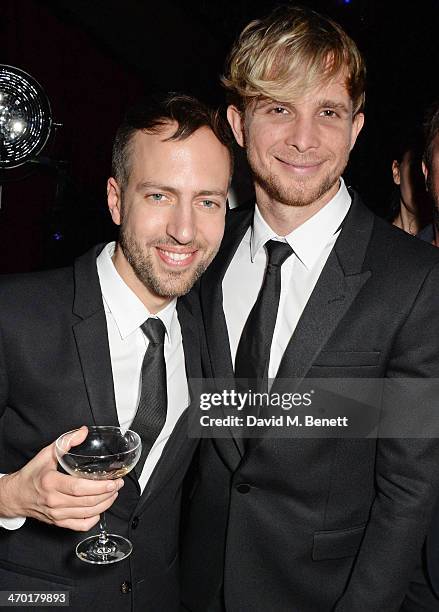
[126, 308]
[310, 238]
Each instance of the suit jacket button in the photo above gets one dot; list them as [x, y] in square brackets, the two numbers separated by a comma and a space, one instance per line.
[135, 522]
[125, 587]
[243, 488]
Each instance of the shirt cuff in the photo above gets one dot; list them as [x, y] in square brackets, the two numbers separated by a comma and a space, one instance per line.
[11, 523]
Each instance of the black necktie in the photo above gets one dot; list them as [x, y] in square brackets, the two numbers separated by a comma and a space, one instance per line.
[151, 411]
[253, 353]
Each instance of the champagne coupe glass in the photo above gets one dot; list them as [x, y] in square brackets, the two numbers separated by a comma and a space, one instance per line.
[106, 453]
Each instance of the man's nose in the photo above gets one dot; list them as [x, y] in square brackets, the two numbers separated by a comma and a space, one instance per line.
[303, 134]
[181, 223]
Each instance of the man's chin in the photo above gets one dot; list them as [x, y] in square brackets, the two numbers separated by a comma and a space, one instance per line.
[304, 193]
[294, 198]
[174, 284]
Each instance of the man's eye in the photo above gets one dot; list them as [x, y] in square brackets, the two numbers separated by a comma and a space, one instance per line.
[328, 113]
[157, 197]
[279, 110]
[208, 204]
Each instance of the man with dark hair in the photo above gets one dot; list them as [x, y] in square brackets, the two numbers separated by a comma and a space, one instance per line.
[409, 205]
[91, 343]
[310, 284]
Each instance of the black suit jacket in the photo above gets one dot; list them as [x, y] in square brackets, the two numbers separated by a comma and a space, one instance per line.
[55, 375]
[325, 524]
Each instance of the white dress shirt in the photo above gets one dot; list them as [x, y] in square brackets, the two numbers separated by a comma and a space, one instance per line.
[311, 243]
[125, 314]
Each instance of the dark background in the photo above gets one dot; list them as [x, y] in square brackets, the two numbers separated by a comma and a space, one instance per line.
[95, 57]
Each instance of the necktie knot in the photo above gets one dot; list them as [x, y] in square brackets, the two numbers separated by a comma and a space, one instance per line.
[278, 252]
[154, 330]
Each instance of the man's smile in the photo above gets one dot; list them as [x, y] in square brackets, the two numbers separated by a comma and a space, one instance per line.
[177, 257]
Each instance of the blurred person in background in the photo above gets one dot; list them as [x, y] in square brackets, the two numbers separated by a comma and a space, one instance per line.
[410, 208]
[424, 589]
[430, 168]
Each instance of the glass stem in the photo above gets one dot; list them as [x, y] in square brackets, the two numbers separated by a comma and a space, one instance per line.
[103, 537]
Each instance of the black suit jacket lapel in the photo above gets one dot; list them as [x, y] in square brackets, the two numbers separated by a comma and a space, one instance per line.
[211, 295]
[340, 282]
[191, 343]
[92, 340]
[91, 335]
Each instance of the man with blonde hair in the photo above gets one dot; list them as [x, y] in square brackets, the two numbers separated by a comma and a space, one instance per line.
[308, 283]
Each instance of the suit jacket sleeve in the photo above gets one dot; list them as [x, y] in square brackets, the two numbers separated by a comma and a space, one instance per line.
[406, 475]
[6, 523]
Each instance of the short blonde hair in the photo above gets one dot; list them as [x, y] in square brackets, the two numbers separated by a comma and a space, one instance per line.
[288, 53]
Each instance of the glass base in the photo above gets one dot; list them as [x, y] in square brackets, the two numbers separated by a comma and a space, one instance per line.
[115, 549]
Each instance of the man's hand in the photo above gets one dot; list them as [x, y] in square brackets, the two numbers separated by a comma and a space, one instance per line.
[39, 491]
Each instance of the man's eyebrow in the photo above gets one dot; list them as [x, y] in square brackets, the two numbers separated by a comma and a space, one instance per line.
[262, 102]
[157, 186]
[333, 104]
[212, 192]
[150, 185]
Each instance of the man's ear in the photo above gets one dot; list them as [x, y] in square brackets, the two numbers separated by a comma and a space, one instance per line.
[114, 200]
[357, 125]
[395, 173]
[236, 121]
[425, 173]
